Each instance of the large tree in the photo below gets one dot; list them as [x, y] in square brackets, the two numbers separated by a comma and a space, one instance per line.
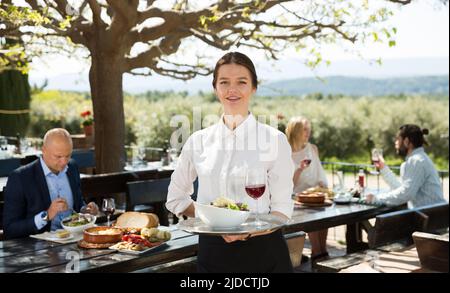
[131, 35]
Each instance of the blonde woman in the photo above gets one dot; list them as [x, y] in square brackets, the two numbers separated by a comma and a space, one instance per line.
[308, 173]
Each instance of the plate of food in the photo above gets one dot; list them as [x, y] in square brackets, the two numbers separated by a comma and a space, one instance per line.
[322, 190]
[223, 216]
[148, 239]
[60, 235]
[77, 222]
[222, 213]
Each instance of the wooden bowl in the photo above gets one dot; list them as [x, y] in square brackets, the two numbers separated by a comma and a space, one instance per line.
[95, 235]
[316, 197]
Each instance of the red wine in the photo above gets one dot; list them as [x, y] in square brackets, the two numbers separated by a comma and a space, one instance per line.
[109, 212]
[307, 161]
[255, 191]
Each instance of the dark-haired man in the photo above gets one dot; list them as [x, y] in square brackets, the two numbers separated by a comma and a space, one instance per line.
[419, 184]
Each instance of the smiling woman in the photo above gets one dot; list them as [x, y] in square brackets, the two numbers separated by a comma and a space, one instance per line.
[216, 155]
[234, 84]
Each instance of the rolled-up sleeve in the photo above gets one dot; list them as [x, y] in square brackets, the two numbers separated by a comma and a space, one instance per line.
[280, 177]
[412, 179]
[181, 184]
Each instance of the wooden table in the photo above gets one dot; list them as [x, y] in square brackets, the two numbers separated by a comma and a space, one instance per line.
[31, 255]
[311, 219]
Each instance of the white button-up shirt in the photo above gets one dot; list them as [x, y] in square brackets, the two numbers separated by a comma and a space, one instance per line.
[219, 157]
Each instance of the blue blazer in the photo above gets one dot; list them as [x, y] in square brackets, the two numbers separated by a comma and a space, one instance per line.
[27, 194]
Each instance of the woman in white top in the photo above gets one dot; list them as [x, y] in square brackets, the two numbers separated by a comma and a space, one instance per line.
[308, 173]
[219, 156]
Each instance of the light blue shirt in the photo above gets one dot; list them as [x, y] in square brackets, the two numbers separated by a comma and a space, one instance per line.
[58, 186]
[419, 184]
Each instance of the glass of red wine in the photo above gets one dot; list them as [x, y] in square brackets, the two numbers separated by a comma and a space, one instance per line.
[108, 207]
[307, 159]
[255, 185]
[376, 153]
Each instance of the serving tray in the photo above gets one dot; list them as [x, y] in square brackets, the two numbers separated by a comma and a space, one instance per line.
[196, 226]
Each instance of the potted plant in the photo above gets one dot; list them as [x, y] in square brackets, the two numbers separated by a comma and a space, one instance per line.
[88, 123]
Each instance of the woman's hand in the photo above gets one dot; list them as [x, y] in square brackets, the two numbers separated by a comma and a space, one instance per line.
[303, 165]
[237, 237]
[244, 237]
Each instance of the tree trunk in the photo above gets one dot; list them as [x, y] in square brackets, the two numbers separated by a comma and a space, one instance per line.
[105, 78]
[14, 101]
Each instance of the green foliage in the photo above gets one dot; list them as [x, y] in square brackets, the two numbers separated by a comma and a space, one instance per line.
[344, 128]
[57, 109]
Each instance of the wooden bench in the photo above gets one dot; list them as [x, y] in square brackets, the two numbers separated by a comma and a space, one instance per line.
[8, 165]
[393, 232]
[141, 194]
[85, 160]
[96, 187]
[432, 250]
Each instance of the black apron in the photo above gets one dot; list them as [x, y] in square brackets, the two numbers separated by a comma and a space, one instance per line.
[261, 254]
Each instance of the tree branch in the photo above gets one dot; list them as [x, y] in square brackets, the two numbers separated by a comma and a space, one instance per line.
[96, 13]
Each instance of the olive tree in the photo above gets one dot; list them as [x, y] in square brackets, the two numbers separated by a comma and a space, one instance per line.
[150, 37]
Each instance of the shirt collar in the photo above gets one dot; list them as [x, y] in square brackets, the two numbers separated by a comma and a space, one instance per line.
[47, 170]
[240, 131]
[415, 151]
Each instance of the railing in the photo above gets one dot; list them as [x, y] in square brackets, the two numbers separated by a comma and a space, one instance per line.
[343, 166]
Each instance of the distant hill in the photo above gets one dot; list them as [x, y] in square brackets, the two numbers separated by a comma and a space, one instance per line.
[355, 86]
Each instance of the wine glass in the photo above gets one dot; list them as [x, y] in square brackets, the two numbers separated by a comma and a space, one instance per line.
[255, 185]
[307, 159]
[376, 153]
[108, 207]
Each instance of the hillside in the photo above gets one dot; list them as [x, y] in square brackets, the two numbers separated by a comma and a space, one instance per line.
[355, 86]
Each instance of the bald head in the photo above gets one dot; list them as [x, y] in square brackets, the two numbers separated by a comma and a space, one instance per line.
[57, 149]
[59, 135]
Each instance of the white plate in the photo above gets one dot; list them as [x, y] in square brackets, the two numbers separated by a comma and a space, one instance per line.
[53, 237]
[196, 226]
[345, 200]
[137, 252]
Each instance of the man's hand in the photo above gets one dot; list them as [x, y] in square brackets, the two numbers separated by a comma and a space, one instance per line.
[380, 164]
[58, 205]
[370, 198]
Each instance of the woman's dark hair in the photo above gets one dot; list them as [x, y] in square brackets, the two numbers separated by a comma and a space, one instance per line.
[236, 58]
[414, 134]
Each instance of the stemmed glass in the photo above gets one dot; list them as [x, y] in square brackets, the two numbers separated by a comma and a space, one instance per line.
[307, 159]
[255, 185]
[376, 153]
[108, 207]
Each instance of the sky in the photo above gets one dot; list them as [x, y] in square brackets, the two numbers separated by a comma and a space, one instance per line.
[423, 38]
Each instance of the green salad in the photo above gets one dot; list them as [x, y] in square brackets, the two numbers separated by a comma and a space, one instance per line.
[77, 220]
[223, 202]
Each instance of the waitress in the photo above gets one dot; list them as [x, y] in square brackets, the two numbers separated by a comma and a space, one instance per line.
[218, 156]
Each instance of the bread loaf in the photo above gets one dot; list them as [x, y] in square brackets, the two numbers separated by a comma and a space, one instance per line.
[137, 220]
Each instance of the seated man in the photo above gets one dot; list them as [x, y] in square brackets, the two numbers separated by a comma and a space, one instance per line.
[39, 195]
[420, 184]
